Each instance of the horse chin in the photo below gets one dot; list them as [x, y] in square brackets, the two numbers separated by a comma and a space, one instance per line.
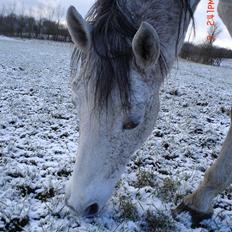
[69, 201]
[68, 196]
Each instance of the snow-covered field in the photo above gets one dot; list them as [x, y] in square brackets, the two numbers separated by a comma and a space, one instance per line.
[39, 138]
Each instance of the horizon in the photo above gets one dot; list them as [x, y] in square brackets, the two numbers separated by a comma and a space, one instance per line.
[42, 7]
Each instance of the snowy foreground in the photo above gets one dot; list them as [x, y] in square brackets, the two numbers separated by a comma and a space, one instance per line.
[39, 139]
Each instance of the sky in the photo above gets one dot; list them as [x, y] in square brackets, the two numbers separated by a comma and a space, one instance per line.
[38, 6]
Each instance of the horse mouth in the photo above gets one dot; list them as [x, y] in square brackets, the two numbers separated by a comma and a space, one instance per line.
[90, 212]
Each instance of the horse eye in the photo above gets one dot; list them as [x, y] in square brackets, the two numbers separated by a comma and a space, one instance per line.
[130, 125]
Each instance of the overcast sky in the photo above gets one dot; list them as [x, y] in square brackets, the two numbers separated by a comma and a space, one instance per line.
[224, 39]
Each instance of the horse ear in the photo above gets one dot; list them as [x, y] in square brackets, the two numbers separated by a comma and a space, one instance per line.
[146, 45]
[193, 4]
[78, 28]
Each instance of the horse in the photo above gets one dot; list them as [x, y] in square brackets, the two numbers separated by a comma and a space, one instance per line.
[219, 176]
[123, 52]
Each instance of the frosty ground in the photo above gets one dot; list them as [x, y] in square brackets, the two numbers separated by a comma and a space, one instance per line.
[39, 139]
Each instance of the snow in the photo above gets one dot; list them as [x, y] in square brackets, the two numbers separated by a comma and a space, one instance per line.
[39, 139]
[5, 38]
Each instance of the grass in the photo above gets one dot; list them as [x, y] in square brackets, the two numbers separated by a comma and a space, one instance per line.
[64, 173]
[167, 191]
[128, 209]
[16, 224]
[158, 222]
[144, 178]
[44, 196]
[25, 190]
[15, 174]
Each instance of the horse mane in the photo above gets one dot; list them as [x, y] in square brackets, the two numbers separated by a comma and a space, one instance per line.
[113, 29]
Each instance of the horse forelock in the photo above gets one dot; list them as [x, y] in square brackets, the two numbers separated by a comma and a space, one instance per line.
[112, 31]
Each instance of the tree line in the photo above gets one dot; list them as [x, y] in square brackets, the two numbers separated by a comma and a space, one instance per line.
[46, 23]
[48, 27]
[206, 52]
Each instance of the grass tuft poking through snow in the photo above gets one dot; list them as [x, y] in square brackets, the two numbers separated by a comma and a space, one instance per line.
[168, 189]
[158, 222]
[144, 178]
[127, 209]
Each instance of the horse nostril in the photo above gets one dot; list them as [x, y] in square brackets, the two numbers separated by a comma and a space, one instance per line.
[92, 210]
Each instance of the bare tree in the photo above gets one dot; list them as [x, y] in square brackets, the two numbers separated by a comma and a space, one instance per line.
[59, 13]
[213, 33]
[21, 20]
[44, 22]
[207, 52]
[50, 12]
[11, 18]
[2, 14]
[40, 13]
[31, 23]
[3, 10]
[12, 7]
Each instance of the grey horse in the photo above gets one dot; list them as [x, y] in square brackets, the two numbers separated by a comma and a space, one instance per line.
[124, 49]
[219, 175]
